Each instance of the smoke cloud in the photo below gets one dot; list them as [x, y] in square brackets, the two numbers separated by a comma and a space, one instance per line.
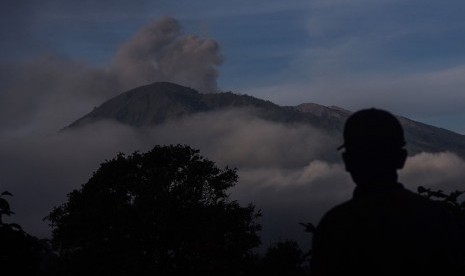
[49, 92]
[159, 52]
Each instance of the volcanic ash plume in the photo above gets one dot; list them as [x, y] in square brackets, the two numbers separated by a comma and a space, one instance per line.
[160, 52]
[50, 91]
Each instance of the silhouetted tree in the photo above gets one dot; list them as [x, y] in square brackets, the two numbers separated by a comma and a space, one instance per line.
[456, 208]
[19, 251]
[166, 212]
[309, 228]
[451, 200]
[284, 259]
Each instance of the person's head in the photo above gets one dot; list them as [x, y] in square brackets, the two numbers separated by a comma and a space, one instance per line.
[374, 146]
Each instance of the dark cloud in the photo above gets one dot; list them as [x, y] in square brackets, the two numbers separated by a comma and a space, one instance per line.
[48, 92]
[16, 28]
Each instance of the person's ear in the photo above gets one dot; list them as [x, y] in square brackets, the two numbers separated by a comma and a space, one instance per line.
[346, 159]
[402, 158]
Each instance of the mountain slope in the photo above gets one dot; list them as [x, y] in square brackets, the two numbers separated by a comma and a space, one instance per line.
[162, 101]
[420, 137]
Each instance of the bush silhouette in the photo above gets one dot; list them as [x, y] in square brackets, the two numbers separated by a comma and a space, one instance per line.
[164, 212]
[19, 251]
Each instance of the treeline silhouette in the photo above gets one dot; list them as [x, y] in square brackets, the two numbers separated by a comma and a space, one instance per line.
[163, 212]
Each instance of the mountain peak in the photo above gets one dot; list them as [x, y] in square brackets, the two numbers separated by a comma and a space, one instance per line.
[158, 102]
[147, 105]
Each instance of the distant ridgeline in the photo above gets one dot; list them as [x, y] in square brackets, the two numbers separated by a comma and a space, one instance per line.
[159, 102]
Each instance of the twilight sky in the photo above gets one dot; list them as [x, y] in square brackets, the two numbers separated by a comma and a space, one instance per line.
[405, 56]
[61, 58]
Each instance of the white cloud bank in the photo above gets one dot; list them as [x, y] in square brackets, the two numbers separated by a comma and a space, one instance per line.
[279, 166]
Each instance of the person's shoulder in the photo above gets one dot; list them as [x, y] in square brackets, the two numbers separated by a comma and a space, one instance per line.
[338, 213]
[341, 208]
[421, 201]
[421, 206]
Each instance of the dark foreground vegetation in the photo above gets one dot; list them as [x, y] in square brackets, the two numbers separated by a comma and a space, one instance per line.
[164, 212]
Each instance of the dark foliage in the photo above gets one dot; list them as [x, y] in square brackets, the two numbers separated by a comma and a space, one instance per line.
[164, 212]
[19, 252]
[455, 205]
[451, 200]
[284, 259]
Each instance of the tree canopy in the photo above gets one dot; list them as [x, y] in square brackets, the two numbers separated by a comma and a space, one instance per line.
[166, 211]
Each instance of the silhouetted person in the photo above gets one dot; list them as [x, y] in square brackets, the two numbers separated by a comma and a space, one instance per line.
[384, 229]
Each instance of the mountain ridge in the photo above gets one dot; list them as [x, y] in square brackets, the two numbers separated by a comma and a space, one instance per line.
[159, 102]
